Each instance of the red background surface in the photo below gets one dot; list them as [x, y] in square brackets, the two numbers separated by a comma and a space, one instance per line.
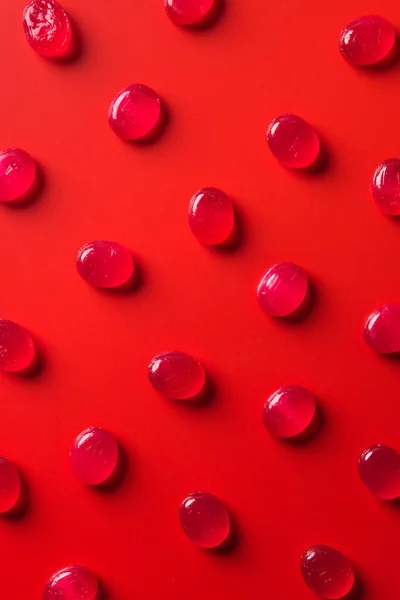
[222, 87]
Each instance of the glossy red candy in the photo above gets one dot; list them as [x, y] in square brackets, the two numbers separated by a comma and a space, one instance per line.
[379, 470]
[71, 583]
[283, 290]
[382, 329]
[293, 141]
[94, 456]
[105, 264]
[386, 186]
[17, 350]
[289, 411]
[367, 40]
[327, 572]
[135, 113]
[204, 519]
[190, 12]
[10, 485]
[48, 29]
[211, 216]
[177, 375]
[17, 175]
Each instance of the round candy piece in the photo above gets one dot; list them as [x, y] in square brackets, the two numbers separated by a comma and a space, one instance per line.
[289, 411]
[71, 583]
[293, 141]
[283, 290]
[367, 40]
[94, 456]
[48, 29]
[204, 519]
[135, 113]
[105, 264]
[211, 216]
[10, 485]
[17, 350]
[379, 470]
[17, 175]
[177, 375]
[189, 12]
[327, 572]
[382, 329]
[386, 186]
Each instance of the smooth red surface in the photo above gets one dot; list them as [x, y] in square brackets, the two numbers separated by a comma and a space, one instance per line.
[382, 329]
[71, 583]
[10, 485]
[211, 217]
[204, 519]
[327, 572]
[284, 497]
[367, 40]
[135, 112]
[289, 411]
[47, 28]
[94, 456]
[189, 12]
[282, 290]
[386, 186]
[177, 375]
[17, 175]
[105, 264]
[293, 141]
[17, 349]
[379, 469]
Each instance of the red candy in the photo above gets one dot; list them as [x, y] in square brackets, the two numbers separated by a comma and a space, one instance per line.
[211, 216]
[17, 350]
[10, 485]
[72, 583]
[386, 186]
[289, 411]
[367, 40]
[293, 141]
[189, 12]
[94, 456]
[379, 470]
[204, 519]
[17, 175]
[382, 329]
[48, 29]
[135, 113]
[283, 290]
[327, 572]
[177, 375]
[105, 264]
